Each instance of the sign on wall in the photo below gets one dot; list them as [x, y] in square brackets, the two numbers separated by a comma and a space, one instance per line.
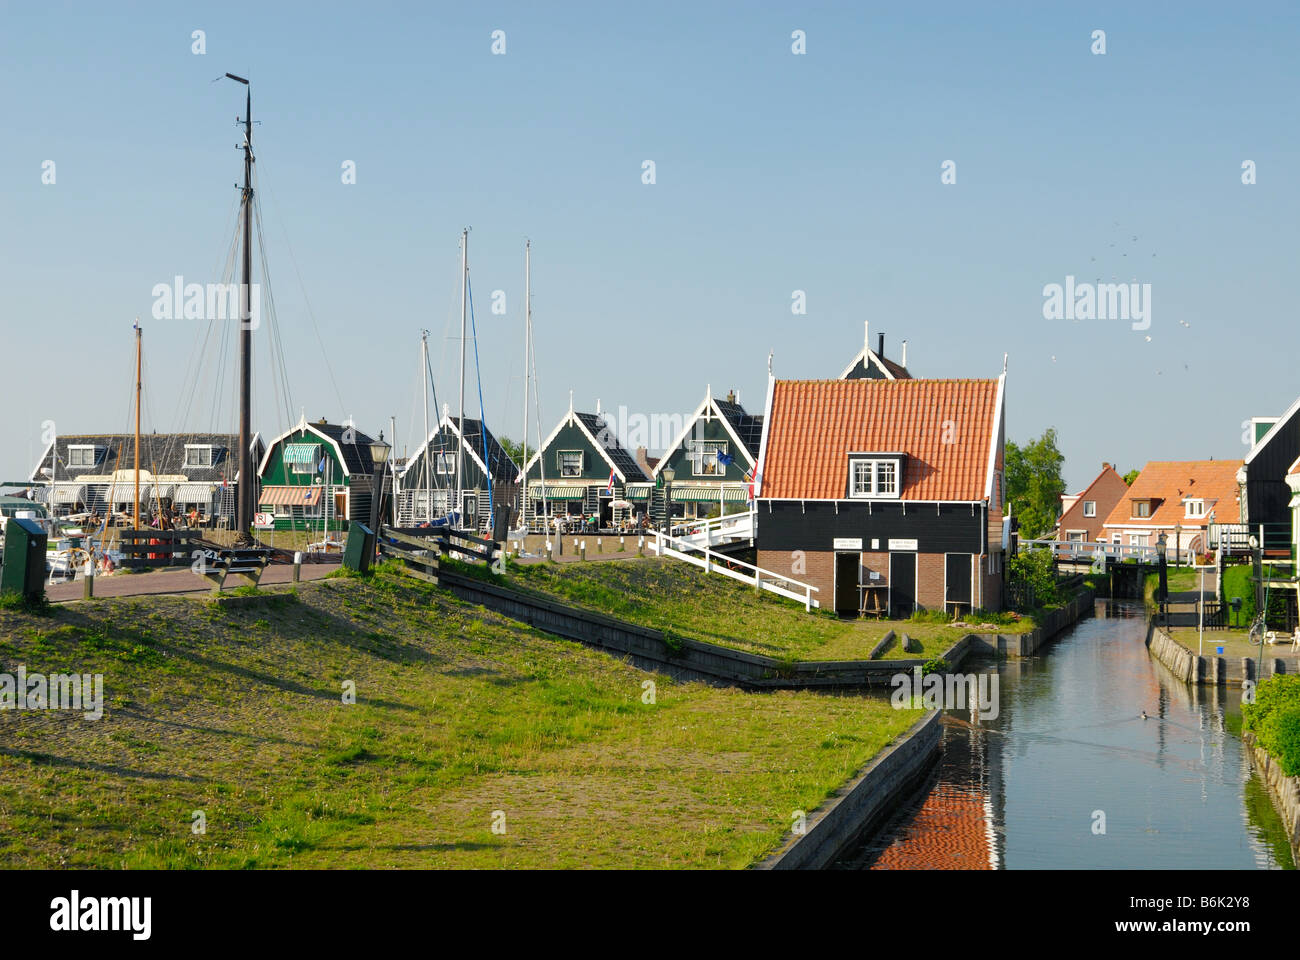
[847, 543]
[901, 544]
[263, 521]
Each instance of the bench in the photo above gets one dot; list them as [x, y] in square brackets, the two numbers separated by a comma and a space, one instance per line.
[249, 564]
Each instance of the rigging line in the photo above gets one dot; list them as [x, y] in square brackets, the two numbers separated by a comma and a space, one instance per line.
[306, 299]
[279, 368]
[482, 416]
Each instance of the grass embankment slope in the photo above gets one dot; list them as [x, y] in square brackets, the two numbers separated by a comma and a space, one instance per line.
[238, 712]
[668, 594]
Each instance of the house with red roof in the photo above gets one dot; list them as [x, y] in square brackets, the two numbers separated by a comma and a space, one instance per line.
[885, 492]
[1082, 514]
[1179, 498]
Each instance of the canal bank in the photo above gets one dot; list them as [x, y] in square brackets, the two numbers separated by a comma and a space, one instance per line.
[1071, 774]
[1213, 669]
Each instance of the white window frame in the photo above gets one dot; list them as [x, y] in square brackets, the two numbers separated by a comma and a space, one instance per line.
[875, 467]
[1090, 508]
[443, 463]
[1195, 514]
[77, 453]
[1139, 539]
[306, 468]
[702, 452]
[1075, 536]
[199, 446]
[559, 463]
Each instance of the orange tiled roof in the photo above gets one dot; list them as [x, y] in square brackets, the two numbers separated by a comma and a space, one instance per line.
[816, 423]
[1170, 481]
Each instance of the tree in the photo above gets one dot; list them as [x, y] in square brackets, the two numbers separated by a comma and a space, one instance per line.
[1034, 483]
[513, 450]
[1131, 476]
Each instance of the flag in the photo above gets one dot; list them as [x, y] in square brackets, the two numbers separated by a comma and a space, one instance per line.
[320, 467]
[609, 487]
[725, 458]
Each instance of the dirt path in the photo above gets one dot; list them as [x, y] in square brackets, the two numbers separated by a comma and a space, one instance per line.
[176, 581]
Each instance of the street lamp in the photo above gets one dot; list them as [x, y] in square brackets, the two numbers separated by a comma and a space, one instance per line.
[669, 474]
[1163, 560]
[378, 458]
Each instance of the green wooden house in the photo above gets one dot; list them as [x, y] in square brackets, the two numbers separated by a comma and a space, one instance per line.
[584, 469]
[317, 476]
[712, 460]
[428, 482]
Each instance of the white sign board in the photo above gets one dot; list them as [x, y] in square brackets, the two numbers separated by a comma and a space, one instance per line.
[901, 544]
[263, 521]
[847, 543]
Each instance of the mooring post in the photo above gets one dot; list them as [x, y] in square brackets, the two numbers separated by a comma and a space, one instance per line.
[582, 550]
[622, 547]
[640, 546]
[297, 566]
[600, 546]
[88, 582]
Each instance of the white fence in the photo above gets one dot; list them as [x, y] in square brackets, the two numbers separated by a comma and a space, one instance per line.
[712, 562]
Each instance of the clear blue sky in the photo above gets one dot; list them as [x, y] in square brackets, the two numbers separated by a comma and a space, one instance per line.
[775, 172]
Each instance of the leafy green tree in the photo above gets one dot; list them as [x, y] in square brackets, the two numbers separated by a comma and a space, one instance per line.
[1034, 483]
[1131, 476]
[513, 449]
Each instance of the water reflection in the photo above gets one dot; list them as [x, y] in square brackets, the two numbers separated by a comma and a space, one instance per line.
[1071, 749]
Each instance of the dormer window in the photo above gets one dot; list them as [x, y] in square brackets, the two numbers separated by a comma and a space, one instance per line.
[199, 455]
[874, 477]
[1195, 509]
[1090, 508]
[83, 455]
[1141, 508]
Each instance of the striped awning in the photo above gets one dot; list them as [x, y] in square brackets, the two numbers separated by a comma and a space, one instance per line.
[638, 491]
[161, 491]
[709, 494]
[559, 493]
[303, 496]
[193, 493]
[302, 453]
[70, 493]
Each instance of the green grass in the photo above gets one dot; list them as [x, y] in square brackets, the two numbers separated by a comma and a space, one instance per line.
[238, 712]
[674, 596]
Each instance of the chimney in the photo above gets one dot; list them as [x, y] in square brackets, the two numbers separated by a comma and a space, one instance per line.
[881, 352]
[903, 361]
[866, 339]
[598, 406]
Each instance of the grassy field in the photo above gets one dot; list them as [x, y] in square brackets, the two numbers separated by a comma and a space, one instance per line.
[667, 594]
[238, 712]
[1233, 641]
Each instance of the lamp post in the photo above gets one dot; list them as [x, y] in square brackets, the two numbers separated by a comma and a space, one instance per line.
[379, 458]
[1162, 595]
[669, 474]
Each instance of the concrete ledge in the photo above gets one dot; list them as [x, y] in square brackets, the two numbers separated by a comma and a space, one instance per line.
[1193, 668]
[1284, 790]
[862, 803]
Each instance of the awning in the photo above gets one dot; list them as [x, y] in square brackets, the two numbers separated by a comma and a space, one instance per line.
[558, 493]
[638, 491]
[161, 491]
[303, 496]
[70, 493]
[193, 493]
[302, 453]
[709, 494]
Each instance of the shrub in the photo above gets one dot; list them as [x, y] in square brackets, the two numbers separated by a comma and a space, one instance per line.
[1035, 569]
[1274, 718]
[935, 665]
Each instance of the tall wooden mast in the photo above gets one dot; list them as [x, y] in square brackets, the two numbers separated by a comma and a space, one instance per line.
[137, 426]
[244, 489]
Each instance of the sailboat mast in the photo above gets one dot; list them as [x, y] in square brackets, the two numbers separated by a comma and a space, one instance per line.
[428, 440]
[460, 427]
[137, 424]
[528, 332]
[244, 491]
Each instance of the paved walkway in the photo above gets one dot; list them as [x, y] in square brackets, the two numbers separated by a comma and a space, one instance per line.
[179, 581]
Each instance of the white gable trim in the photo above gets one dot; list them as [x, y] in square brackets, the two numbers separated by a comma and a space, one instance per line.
[599, 447]
[762, 446]
[993, 441]
[708, 404]
[1268, 437]
[449, 422]
[305, 427]
[875, 361]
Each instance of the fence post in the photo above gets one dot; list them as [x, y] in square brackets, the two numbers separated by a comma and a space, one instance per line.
[640, 545]
[582, 550]
[600, 545]
[88, 582]
[297, 566]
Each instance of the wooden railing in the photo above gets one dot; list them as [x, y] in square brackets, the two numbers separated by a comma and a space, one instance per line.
[147, 549]
[421, 549]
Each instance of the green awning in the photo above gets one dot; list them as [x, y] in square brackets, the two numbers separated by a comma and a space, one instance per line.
[638, 491]
[302, 453]
[558, 493]
[710, 494]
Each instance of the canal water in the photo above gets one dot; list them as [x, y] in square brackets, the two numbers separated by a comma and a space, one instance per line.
[1069, 747]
